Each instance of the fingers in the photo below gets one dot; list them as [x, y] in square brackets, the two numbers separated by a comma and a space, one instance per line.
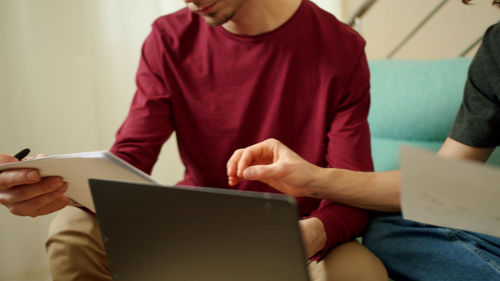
[16, 177]
[30, 191]
[233, 180]
[239, 161]
[243, 158]
[40, 205]
[231, 167]
[25, 193]
[257, 154]
[258, 172]
[4, 158]
[232, 163]
[249, 155]
[56, 205]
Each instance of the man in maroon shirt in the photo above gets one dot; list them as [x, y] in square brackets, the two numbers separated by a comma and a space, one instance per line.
[223, 75]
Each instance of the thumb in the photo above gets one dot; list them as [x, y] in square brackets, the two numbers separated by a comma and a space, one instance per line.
[4, 158]
[257, 172]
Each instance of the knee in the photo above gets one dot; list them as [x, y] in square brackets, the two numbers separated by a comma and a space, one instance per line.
[352, 261]
[74, 227]
[75, 247]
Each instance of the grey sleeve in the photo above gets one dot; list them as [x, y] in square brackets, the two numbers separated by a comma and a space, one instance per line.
[478, 120]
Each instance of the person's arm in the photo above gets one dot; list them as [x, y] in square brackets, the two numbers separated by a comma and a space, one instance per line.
[379, 191]
[348, 147]
[149, 122]
[275, 164]
[25, 193]
[454, 149]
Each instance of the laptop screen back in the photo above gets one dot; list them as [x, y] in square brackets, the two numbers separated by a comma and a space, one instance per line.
[155, 232]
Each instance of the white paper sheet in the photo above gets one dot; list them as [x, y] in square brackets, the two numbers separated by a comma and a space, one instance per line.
[450, 193]
[77, 168]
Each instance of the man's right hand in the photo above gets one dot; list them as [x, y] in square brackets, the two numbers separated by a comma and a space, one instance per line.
[25, 193]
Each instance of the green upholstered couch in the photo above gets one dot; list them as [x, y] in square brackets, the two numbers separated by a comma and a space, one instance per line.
[414, 102]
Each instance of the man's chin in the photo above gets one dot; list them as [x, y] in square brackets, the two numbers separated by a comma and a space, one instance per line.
[216, 19]
[213, 21]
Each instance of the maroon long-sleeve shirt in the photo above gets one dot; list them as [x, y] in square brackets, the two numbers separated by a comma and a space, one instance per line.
[305, 83]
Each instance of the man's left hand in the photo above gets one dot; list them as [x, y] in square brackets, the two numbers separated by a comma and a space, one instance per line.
[313, 235]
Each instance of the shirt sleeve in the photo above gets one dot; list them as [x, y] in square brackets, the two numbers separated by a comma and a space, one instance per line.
[478, 118]
[149, 121]
[348, 148]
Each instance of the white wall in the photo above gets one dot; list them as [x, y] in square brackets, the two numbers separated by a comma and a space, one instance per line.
[66, 81]
[332, 6]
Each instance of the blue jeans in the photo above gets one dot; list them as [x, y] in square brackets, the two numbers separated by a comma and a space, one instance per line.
[415, 251]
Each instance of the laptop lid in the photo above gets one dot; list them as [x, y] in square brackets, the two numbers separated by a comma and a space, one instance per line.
[154, 232]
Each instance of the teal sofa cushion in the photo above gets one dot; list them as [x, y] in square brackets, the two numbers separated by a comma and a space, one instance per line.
[414, 102]
[386, 151]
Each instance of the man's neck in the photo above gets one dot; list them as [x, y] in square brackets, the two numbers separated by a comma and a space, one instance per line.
[261, 16]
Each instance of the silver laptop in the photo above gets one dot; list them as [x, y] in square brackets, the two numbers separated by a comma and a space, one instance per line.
[174, 233]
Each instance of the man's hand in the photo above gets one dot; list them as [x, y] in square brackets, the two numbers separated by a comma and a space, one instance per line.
[313, 235]
[275, 164]
[25, 193]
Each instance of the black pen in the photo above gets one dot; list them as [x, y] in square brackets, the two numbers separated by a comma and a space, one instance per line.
[23, 153]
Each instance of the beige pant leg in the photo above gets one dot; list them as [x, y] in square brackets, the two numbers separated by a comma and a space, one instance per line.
[75, 248]
[348, 261]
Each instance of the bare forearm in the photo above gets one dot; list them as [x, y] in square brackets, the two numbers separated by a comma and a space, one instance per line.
[379, 191]
[286, 171]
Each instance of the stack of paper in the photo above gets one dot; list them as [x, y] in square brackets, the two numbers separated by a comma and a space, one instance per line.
[77, 168]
